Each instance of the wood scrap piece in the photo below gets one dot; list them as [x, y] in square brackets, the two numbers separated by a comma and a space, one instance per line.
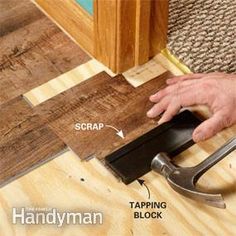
[33, 54]
[25, 141]
[112, 101]
[167, 64]
[141, 74]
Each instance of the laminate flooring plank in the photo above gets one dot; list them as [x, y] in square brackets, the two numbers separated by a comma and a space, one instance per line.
[32, 52]
[25, 140]
[112, 101]
[15, 14]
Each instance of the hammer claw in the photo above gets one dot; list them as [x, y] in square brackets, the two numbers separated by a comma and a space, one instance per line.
[217, 204]
[215, 200]
[183, 180]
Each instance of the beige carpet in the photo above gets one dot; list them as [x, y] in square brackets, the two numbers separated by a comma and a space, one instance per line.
[202, 34]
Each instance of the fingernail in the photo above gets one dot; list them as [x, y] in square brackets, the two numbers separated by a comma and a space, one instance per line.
[153, 95]
[199, 136]
[150, 113]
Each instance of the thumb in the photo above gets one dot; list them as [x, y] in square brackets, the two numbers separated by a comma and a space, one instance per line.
[208, 128]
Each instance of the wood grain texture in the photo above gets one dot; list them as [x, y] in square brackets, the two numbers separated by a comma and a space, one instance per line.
[115, 34]
[101, 99]
[25, 141]
[126, 34]
[58, 184]
[66, 81]
[105, 32]
[35, 52]
[167, 64]
[143, 73]
[143, 19]
[72, 18]
[121, 34]
[122, 38]
[158, 26]
[15, 14]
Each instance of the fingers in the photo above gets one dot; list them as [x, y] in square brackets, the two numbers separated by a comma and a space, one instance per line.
[190, 97]
[172, 103]
[158, 108]
[208, 128]
[170, 112]
[187, 93]
[194, 76]
[175, 88]
[184, 77]
[196, 89]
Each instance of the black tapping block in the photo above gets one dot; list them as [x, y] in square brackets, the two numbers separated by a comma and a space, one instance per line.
[134, 159]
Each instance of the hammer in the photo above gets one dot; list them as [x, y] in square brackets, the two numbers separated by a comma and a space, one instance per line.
[184, 179]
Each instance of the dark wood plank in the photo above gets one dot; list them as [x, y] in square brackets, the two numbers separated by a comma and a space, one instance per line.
[16, 14]
[25, 141]
[101, 99]
[33, 51]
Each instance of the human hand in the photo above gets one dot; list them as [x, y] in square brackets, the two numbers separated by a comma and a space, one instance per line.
[215, 90]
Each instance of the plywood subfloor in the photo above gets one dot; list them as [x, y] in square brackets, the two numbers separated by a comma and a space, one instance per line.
[33, 50]
[26, 141]
[101, 99]
[68, 184]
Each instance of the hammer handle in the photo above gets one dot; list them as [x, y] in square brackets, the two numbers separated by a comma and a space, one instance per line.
[213, 159]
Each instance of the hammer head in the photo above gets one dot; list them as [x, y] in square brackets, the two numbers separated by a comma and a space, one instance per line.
[183, 181]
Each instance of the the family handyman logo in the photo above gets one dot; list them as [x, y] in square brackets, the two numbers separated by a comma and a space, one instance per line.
[52, 216]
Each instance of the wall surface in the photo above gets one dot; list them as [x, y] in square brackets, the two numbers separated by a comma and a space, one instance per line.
[87, 5]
